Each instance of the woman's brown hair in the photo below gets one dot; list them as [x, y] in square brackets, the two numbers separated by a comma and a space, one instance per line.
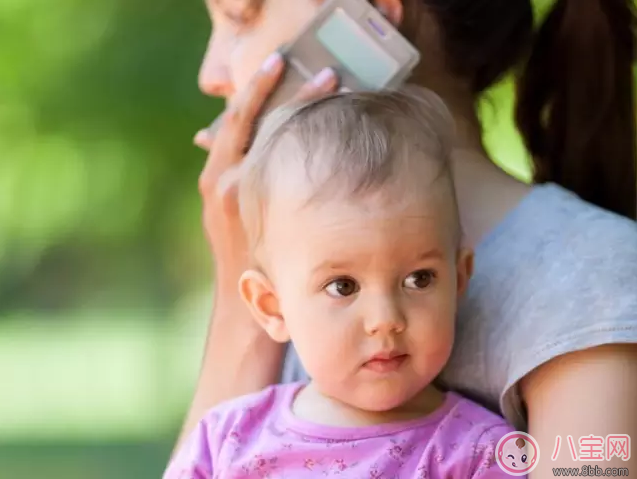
[575, 100]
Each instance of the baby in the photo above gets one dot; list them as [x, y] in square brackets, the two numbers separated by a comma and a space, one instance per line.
[351, 217]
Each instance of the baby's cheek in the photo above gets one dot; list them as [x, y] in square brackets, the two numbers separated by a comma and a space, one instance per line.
[433, 335]
[323, 344]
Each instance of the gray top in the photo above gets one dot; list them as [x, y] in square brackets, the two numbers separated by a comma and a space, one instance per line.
[557, 275]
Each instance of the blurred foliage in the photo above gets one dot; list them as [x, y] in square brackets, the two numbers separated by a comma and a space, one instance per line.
[100, 241]
[98, 198]
[126, 460]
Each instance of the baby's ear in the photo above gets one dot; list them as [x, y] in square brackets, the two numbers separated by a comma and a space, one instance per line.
[259, 295]
[464, 267]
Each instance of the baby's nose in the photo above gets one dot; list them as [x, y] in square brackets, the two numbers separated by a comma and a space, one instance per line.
[385, 316]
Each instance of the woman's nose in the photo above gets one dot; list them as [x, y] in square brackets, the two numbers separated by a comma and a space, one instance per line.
[384, 316]
[214, 74]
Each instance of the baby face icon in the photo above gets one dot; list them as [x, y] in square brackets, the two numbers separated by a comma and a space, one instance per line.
[517, 453]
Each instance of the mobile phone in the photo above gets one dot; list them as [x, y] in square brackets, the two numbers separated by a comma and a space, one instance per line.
[356, 40]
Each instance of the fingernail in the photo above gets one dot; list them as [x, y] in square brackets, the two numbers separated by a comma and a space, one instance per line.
[324, 77]
[272, 62]
[201, 137]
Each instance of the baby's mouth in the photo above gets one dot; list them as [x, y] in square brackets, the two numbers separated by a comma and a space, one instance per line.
[385, 363]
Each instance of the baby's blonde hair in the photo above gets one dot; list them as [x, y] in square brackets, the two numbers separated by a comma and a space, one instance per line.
[348, 144]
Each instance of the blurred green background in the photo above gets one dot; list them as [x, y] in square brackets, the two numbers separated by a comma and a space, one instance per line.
[105, 279]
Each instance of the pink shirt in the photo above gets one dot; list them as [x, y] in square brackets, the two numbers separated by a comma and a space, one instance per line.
[257, 436]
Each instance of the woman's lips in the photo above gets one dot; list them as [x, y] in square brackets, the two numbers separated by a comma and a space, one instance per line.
[385, 364]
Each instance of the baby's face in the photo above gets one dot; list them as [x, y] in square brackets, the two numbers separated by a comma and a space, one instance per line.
[368, 293]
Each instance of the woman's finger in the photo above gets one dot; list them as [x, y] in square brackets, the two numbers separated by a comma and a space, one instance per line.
[227, 186]
[245, 110]
[234, 127]
[324, 82]
[203, 139]
[240, 114]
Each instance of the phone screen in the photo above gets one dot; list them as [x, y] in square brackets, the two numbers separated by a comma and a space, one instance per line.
[353, 48]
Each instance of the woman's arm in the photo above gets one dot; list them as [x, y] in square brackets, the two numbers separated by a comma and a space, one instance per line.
[591, 392]
[239, 357]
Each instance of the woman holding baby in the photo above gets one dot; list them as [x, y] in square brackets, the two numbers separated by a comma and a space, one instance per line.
[546, 329]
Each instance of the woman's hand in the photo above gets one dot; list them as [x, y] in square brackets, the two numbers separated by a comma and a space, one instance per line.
[239, 358]
[217, 183]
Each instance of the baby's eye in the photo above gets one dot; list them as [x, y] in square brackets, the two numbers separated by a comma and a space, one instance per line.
[419, 279]
[524, 458]
[342, 287]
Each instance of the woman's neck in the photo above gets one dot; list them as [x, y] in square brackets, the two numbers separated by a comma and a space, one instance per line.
[485, 192]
